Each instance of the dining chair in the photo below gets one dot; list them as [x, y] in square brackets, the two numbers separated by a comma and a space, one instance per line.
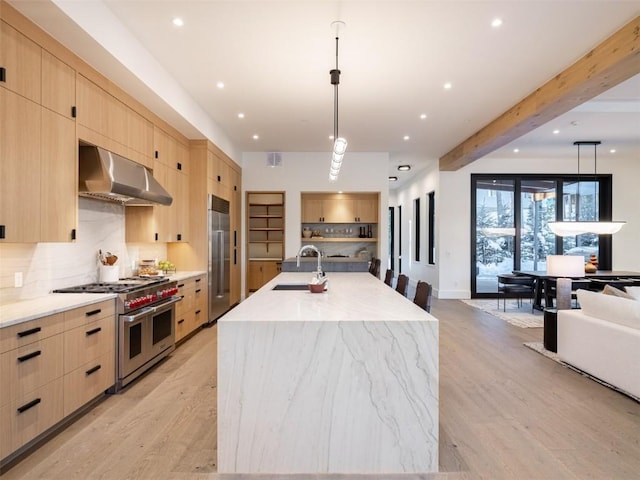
[422, 297]
[375, 271]
[388, 277]
[401, 285]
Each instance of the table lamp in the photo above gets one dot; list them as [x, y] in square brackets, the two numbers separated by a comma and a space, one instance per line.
[563, 266]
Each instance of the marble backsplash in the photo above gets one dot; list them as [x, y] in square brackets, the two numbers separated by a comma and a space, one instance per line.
[47, 266]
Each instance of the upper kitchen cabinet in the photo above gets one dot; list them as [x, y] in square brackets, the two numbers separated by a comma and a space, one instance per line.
[20, 63]
[170, 151]
[59, 178]
[19, 168]
[340, 208]
[105, 121]
[58, 86]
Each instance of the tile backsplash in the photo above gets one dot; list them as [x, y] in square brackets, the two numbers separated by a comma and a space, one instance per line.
[47, 266]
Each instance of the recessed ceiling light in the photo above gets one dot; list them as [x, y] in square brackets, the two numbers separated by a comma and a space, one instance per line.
[331, 137]
[404, 168]
[241, 115]
[496, 22]
[423, 116]
[393, 179]
[178, 22]
[613, 150]
[447, 86]
[220, 85]
[406, 137]
[256, 137]
[516, 150]
[555, 132]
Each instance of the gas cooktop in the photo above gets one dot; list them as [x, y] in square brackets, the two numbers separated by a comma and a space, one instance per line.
[124, 285]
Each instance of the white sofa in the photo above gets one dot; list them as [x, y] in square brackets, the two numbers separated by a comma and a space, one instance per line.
[603, 339]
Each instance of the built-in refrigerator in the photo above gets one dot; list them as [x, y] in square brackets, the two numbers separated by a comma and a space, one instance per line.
[219, 256]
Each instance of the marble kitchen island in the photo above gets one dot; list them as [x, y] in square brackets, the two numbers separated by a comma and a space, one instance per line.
[344, 381]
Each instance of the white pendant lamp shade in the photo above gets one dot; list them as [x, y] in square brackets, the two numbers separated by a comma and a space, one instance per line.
[570, 229]
[339, 147]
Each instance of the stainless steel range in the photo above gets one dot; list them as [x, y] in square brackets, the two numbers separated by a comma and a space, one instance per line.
[146, 322]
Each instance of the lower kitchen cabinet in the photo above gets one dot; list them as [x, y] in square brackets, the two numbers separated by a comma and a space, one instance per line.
[52, 366]
[191, 312]
[260, 272]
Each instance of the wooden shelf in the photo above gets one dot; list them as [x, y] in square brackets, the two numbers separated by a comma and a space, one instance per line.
[265, 216]
[265, 241]
[337, 239]
[266, 229]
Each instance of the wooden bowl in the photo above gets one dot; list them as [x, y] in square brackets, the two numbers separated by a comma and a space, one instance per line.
[316, 287]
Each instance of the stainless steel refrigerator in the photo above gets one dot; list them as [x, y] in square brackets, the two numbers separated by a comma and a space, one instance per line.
[219, 258]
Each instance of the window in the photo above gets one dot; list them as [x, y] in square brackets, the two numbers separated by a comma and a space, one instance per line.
[431, 225]
[510, 216]
[416, 210]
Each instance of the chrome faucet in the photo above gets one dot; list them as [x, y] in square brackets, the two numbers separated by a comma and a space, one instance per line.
[311, 247]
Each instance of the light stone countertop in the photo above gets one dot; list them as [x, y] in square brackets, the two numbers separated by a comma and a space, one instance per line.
[30, 309]
[25, 310]
[353, 296]
[178, 276]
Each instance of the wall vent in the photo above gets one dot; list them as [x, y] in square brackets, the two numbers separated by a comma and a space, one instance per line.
[274, 159]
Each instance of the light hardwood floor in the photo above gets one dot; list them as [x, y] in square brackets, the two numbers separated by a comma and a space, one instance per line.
[506, 412]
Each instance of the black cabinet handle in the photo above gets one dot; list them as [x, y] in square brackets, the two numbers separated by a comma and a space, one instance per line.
[198, 312]
[31, 331]
[198, 290]
[93, 312]
[95, 330]
[198, 279]
[235, 257]
[179, 236]
[93, 370]
[29, 356]
[180, 321]
[2, 231]
[179, 166]
[27, 406]
[156, 154]
[74, 111]
[3, 74]
[156, 237]
[73, 234]
[180, 285]
[235, 238]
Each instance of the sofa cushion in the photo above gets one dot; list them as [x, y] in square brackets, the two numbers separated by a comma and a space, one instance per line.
[608, 307]
[633, 291]
[616, 292]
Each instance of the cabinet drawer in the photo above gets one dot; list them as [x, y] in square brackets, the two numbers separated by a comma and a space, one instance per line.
[184, 324]
[29, 415]
[89, 313]
[25, 333]
[88, 381]
[27, 368]
[88, 342]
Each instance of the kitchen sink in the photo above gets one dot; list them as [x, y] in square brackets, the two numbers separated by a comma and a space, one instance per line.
[291, 286]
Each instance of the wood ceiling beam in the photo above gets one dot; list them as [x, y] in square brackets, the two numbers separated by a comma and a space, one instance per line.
[610, 63]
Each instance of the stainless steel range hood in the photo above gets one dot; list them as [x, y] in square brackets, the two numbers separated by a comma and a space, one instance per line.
[107, 176]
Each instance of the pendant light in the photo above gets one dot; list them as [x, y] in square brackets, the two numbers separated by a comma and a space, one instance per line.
[339, 144]
[573, 228]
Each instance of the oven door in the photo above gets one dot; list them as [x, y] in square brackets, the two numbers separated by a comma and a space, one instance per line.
[162, 327]
[134, 344]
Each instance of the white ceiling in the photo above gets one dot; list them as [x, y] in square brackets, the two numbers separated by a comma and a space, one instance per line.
[274, 58]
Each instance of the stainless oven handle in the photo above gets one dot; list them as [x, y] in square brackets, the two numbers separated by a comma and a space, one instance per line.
[142, 313]
[168, 303]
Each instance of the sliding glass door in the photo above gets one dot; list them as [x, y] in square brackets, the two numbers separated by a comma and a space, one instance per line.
[510, 217]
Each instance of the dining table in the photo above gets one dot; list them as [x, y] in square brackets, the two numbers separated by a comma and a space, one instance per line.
[592, 281]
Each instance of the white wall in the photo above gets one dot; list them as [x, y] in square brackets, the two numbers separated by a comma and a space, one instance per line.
[453, 203]
[309, 172]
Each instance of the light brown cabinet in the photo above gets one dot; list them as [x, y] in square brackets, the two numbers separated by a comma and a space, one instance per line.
[340, 208]
[19, 168]
[21, 60]
[191, 311]
[58, 86]
[50, 367]
[59, 178]
[260, 272]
